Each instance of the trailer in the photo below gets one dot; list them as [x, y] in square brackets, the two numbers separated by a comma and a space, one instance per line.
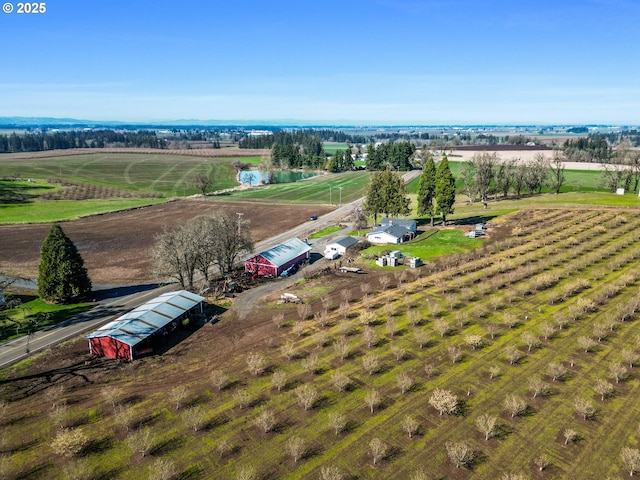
[351, 270]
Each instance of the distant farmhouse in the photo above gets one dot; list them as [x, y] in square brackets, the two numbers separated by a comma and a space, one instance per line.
[279, 258]
[393, 230]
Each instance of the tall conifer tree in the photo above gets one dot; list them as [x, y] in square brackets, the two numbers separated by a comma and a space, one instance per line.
[62, 277]
[445, 190]
[427, 189]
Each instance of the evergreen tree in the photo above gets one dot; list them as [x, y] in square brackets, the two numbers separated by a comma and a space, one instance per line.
[445, 190]
[386, 194]
[62, 277]
[427, 188]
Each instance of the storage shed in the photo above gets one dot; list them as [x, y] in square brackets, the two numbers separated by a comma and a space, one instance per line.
[340, 245]
[130, 334]
[279, 258]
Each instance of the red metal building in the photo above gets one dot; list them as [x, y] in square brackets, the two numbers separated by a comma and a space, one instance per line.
[277, 259]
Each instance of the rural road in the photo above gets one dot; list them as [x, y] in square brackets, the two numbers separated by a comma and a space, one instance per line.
[121, 302]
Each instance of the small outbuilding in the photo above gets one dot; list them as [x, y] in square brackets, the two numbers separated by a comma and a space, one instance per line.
[279, 258]
[339, 245]
[134, 332]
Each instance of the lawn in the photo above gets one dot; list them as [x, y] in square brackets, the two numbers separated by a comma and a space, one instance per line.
[331, 147]
[326, 231]
[431, 244]
[30, 306]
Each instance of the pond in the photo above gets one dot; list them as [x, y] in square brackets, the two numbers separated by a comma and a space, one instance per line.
[254, 177]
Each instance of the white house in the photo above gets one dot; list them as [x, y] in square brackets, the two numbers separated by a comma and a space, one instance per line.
[393, 230]
[339, 245]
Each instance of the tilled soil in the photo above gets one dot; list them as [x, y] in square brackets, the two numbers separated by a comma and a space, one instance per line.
[116, 246]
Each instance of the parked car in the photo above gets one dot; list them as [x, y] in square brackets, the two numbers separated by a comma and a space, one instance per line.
[313, 217]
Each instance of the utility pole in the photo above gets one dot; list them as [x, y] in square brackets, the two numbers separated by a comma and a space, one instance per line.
[340, 188]
[330, 202]
[239, 218]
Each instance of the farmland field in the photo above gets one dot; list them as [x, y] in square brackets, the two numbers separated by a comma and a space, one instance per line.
[541, 319]
[323, 189]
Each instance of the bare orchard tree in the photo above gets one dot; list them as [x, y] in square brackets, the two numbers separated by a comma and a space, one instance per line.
[330, 472]
[337, 421]
[194, 417]
[372, 399]
[178, 395]
[112, 395]
[515, 405]
[340, 381]
[630, 458]
[444, 401]
[487, 425]
[202, 183]
[618, 371]
[265, 420]
[279, 379]
[175, 255]
[404, 381]
[584, 407]
[296, 447]
[537, 387]
[371, 363]
[569, 435]
[484, 168]
[556, 371]
[603, 388]
[460, 454]
[306, 396]
[256, 363]
[410, 425]
[542, 461]
[378, 449]
[219, 379]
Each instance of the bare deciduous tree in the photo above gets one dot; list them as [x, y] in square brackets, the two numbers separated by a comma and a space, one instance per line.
[603, 388]
[141, 441]
[537, 387]
[460, 454]
[630, 458]
[515, 405]
[265, 420]
[398, 352]
[337, 421]
[384, 281]
[331, 472]
[219, 379]
[278, 319]
[279, 379]
[296, 447]
[473, 340]
[404, 381]
[569, 435]
[421, 338]
[584, 407]
[178, 395]
[320, 338]
[454, 352]
[310, 364]
[112, 395]
[241, 397]
[162, 469]
[372, 399]
[556, 371]
[69, 442]
[444, 401]
[340, 381]
[414, 318]
[255, 363]
[618, 371]
[378, 449]
[494, 371]
[441, 326]
[342, 348]
[586, 343]
[369, 337]
[629, 356]
[410, 425]
[392, 327]
[194, 417]
[370, 363]
[246, 472]
[542, 461]
[487, 425]
[124, 416]
[530, 340]
[306, 395]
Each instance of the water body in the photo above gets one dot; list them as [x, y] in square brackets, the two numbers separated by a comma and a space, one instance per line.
[281, 176]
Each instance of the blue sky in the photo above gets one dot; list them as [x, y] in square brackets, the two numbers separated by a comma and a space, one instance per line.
[331, 62]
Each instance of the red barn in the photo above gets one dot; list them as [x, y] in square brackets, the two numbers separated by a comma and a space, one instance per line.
[277, 259]
[129, 335]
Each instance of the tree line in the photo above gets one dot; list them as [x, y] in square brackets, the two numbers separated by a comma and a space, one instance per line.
[64, 140]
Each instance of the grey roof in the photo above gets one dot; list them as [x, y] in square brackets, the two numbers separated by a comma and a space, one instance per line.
[345, 242]
[285, 252]
[143, 321]
[406, 223]
[394, 230]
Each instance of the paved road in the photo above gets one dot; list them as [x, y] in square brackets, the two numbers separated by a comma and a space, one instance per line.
[116, 303]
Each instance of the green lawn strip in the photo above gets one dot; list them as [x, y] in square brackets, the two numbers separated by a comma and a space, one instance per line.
[59, 210]
[431, 244]
[331, 147]
[32, 306]
[326, 231]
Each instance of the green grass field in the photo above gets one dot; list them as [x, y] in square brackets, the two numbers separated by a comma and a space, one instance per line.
[169, 175]
[323, 189]
[331, 147]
